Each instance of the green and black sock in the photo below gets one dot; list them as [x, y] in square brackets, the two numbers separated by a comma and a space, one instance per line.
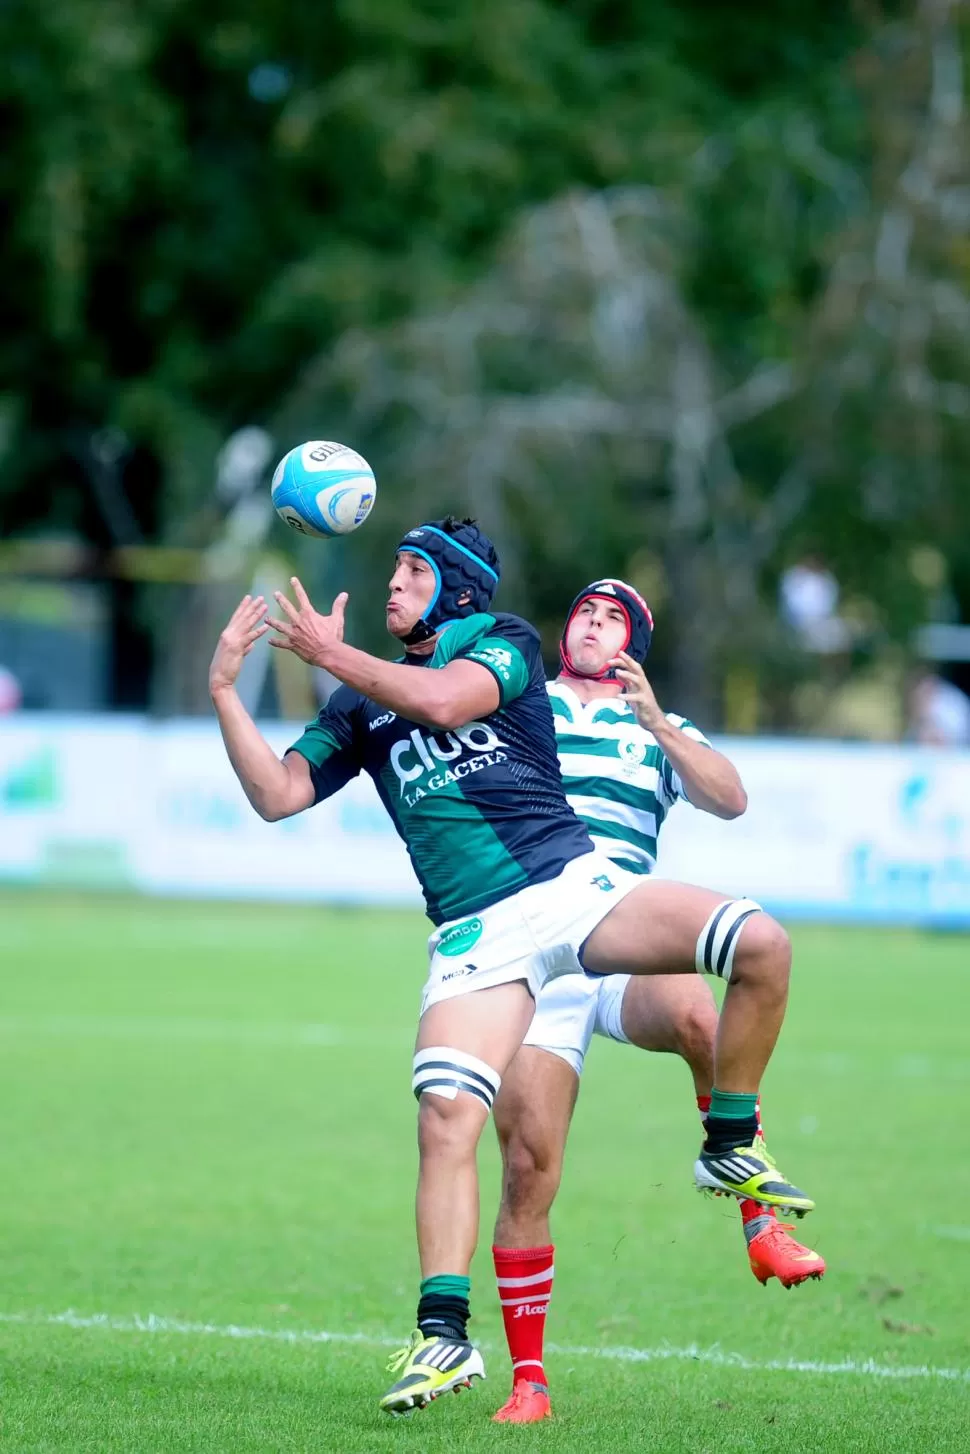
[443, 1307]
[731, 1121]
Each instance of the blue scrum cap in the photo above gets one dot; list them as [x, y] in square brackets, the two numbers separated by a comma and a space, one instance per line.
[466, 569]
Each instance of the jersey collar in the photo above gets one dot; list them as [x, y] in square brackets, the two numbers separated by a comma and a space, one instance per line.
[588, 710]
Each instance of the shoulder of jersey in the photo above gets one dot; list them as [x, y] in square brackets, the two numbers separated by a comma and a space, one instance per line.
[344, 699]
[505, 621]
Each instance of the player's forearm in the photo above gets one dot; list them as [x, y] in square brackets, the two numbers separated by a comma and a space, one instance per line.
[416, 695]
[263, 777]
[711, 781]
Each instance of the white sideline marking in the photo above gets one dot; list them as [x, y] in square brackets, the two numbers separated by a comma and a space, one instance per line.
[227, 1032]
[152, 1323]
[864, 1368]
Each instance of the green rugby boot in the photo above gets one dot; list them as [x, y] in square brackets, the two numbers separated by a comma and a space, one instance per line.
[749, 1171]
[428, 1367]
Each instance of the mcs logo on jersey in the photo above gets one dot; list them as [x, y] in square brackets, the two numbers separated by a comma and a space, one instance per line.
[433, 760]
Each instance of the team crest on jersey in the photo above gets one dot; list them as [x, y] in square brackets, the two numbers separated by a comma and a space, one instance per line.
[632, 751]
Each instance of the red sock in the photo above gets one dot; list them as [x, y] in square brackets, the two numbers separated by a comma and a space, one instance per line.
[749, 1209]
[752, 1211]
[524, 1276]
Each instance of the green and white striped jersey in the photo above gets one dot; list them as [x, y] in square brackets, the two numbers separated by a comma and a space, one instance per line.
[616, 777]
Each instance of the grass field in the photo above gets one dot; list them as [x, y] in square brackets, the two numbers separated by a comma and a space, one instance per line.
[207, 1172]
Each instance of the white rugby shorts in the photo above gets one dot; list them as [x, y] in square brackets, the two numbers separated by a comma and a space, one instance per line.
[572, 1009]
[534, 935]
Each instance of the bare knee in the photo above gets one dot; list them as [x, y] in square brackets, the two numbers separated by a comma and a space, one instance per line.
[695, 1030]
[763, 955]
[448, 1128]
[531, 1175]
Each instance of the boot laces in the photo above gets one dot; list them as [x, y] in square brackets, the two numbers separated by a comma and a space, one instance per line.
[397, 1360]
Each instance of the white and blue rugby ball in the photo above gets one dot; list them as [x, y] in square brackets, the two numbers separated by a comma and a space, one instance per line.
[322, 488]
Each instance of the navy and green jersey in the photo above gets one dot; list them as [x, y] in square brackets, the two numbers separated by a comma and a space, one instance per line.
[481, 809]
[616, 775]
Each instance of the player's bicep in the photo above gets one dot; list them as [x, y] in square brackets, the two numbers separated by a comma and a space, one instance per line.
[301, 793]
[466, 690]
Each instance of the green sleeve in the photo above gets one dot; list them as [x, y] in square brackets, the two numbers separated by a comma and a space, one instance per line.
[506, 663]
[316, 744]
[507, 647]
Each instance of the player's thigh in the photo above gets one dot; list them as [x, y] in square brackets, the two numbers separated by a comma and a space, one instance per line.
[488, 1023]
[653, 930]
[534, 1108]
[668, 1011]
[464, 1046]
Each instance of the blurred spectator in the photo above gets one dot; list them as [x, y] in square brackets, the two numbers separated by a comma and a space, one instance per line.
[939, 713]
[10, 693]
[809, 596]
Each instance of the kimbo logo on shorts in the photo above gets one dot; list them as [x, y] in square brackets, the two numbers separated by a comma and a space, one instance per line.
[460, 938]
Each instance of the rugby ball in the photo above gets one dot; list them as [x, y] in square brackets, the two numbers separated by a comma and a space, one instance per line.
[323, 488]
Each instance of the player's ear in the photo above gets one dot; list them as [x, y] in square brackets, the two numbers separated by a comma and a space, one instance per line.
[464, 598]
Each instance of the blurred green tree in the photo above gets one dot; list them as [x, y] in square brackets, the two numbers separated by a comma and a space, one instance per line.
[673, 286]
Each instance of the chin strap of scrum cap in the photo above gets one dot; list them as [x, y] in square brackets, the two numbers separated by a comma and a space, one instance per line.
[639, 624]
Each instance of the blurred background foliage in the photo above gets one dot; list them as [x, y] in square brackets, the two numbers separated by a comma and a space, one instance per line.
[676, 291]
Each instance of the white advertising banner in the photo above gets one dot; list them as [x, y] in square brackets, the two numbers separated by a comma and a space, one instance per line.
[832, 831]
[69, 790]
[837, 831]
[156, 806]
[204, 838]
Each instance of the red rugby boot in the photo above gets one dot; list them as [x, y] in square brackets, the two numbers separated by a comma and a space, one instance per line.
[772, 1253]
[529, 1403]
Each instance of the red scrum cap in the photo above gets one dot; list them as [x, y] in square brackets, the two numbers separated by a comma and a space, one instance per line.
[639, 622]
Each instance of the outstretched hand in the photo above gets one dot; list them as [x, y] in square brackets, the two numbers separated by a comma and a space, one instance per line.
[244, 628]
[305, 632]
[638, 692]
